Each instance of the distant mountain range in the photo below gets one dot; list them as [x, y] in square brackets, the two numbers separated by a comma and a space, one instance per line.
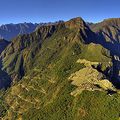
[9, 31]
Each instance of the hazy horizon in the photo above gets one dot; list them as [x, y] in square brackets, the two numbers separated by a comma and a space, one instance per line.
[21, 22]
[37, 11]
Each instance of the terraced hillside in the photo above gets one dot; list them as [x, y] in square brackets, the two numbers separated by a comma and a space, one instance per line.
[58, 73]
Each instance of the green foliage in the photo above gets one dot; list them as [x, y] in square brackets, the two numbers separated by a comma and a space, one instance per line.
[45, 91]
[3, 105]
[98, 105]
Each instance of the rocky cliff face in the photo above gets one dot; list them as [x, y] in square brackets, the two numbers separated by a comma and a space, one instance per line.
[108, 31]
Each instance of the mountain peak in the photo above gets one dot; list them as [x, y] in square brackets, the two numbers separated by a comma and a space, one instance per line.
[77, 19]
[77, 22]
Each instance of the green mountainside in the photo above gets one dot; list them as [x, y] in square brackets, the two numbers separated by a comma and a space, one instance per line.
[60, 72]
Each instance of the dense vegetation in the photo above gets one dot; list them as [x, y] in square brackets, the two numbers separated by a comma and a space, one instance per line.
[41, 64]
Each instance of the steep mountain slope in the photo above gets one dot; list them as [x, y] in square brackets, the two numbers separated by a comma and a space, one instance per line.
[64, 75]
[17, 57]
[108, 34]
[9, 31]
[109, 26]
[24, 47]
[108, 31]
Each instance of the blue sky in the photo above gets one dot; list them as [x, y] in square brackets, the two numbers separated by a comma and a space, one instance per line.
[15, 11]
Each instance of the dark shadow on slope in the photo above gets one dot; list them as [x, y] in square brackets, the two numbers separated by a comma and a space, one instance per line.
[5, 79]
[111, 92]
[114, 47]
[116, 73]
